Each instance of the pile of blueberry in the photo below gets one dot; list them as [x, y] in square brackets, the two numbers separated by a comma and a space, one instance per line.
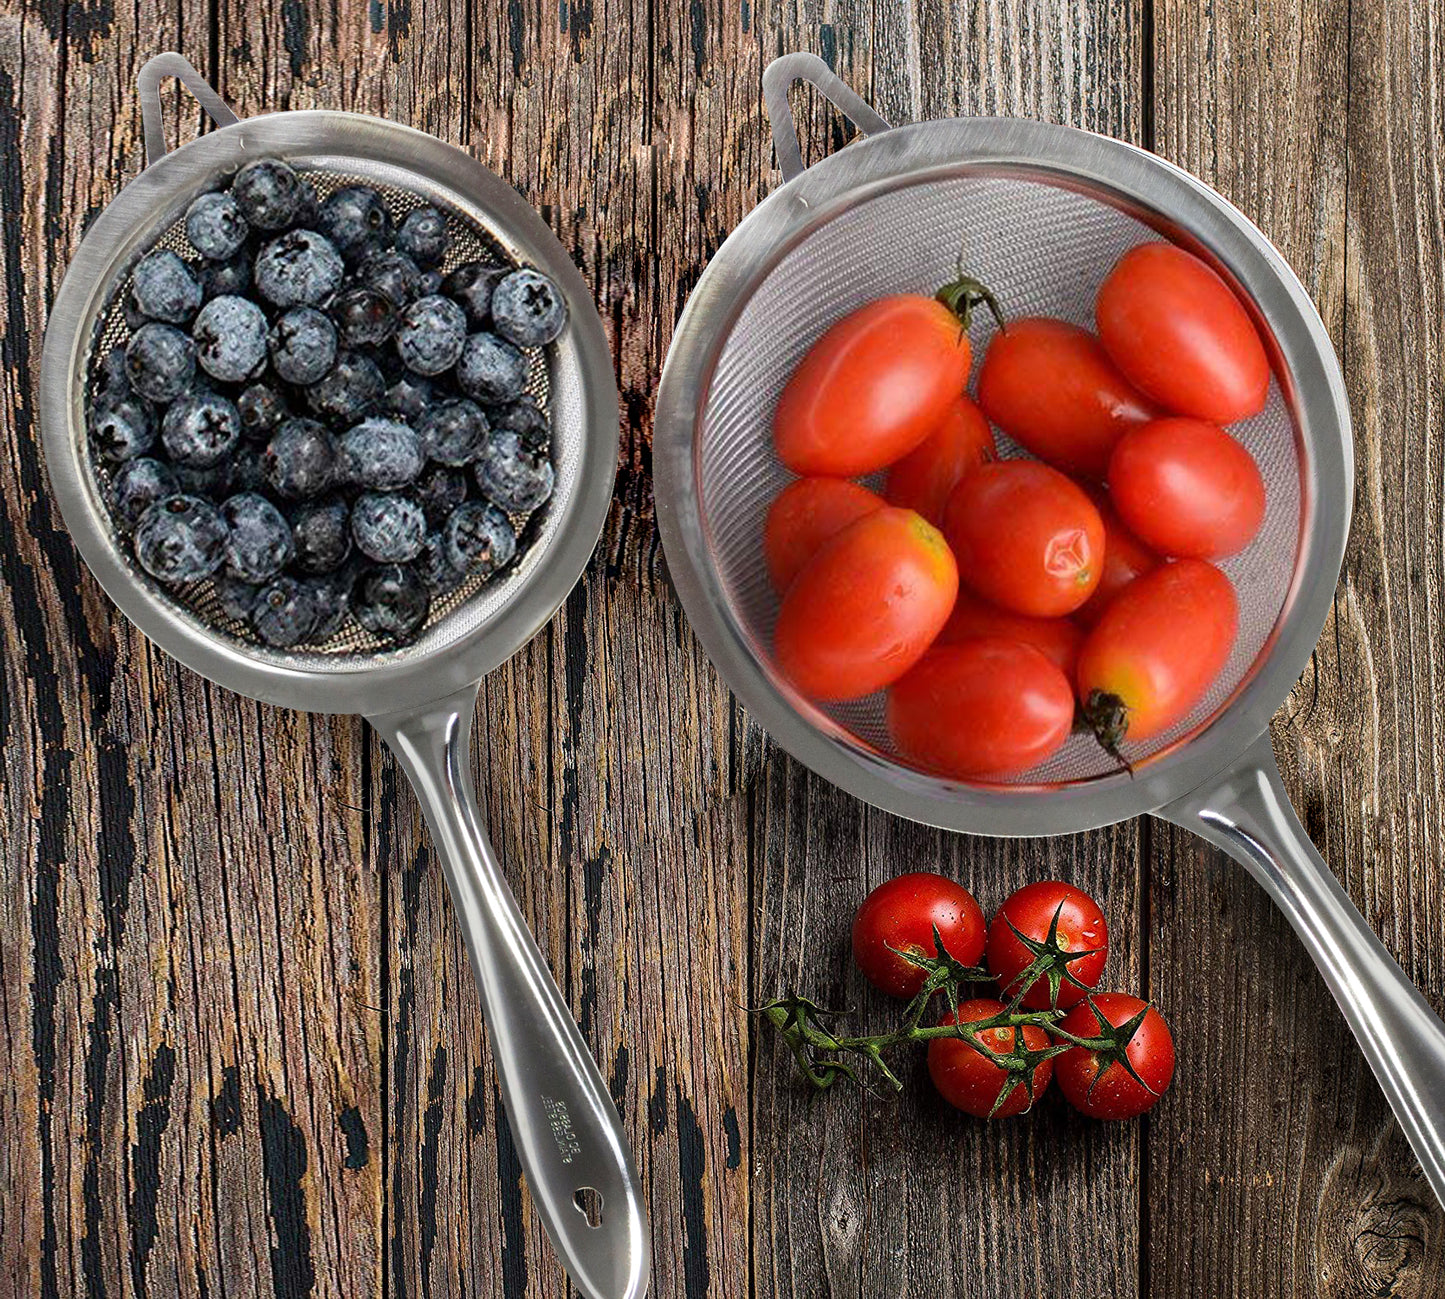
[316, 418]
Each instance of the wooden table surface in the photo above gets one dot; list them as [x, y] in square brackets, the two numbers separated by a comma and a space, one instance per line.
[240, 1051]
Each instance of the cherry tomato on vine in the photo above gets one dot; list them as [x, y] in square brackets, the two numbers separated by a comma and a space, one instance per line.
[1018, 939]
[1180, 335]
[902, 914]
[877, 383]
[982, 708]
[1156, 650]
[1187, 488]
[804, 515]
[1025, 537]
[1057, 639]
[866, 606]
[926, 476]
[1096, 1082]
[1125, 558]
[1052, 388]
[970, 1081]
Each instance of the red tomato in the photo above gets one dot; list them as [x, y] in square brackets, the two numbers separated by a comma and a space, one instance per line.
[866, 606]
[1031, 911]
[1156, 650]
[1187, 488]
[1180, 335]
[872, 388]
[805, 515]
[901, 914]
[1096, 1083]
[1026, 538]
[1057, 639]
[1125, 558]
[968, 1080]
[983, 708]
[1052, 388]
[926, 476]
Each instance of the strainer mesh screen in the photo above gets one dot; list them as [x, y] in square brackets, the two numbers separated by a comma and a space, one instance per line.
[1044, 250]
[469, 242]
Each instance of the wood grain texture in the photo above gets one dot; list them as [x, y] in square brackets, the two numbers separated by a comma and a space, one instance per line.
[240, 1052]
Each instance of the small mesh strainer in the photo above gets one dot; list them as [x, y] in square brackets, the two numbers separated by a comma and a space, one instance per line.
[421, 698]
[1042, 213]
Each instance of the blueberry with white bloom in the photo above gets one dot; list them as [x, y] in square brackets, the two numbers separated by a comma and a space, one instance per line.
[516, 476]
[491, 370]
[120, 430]
[230, 335]
[302, 344]
[236, 598]
[526, 419]
[527, 309]
[356, 220]
[215, 226]
[259, 545]
[300, 460]
[422, 236]
[180, 539]
[479, 538]
[163, 288]
[430, 334]
[409, 398]
[322, 535]
[454, 432]
[200, 429]
[388, 527]
[298, 269]
[380, 454]
[390, 601]
[160, 362]
[136, 486]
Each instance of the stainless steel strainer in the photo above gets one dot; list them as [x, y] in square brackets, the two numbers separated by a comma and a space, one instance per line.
[1042, 212]
[421, 698]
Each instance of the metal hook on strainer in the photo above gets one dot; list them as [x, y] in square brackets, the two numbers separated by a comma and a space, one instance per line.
[1044, 211]
[421, 698]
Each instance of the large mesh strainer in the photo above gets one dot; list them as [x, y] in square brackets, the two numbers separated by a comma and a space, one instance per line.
[1042, 213]
[421, 698]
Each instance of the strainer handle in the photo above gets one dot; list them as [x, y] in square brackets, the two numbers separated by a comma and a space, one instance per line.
[778, 78]
[565, 1126]
[1247, 813]
[148, 87]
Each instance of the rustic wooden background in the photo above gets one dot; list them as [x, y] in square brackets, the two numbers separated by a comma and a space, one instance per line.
[239, 1050]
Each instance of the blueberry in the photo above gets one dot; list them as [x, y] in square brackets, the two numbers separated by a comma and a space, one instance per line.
[437, 570]
[390, 601]
[262, 410]
[236, 598]
[300, 460]
[356, 220]
[260, 544]
[160, 361]
[439, 491]
[303, 345]
[527, 309]
[380, 455]
[527, 420]
[409, 398]
[230, 336]
[200, 429]
[454, 432]
[298, 269]
[268, 193]
[387, 527]
[491, 370]
[322, 534]
[392, 274]
[430, 334]
[163, 288]
[422, 236]
[470, 287]
[363, 316]
[180, 539]
[215, 226]
[111, 384]
[331, 596]
[136, 486]
[478, 538]
[516, 476]
[346, 392]
[285, 613]
[233, 276]
[213, 482]
[430, 284]
[122, 429]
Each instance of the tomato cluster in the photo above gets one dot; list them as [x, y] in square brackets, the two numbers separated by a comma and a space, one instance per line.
[995, 599]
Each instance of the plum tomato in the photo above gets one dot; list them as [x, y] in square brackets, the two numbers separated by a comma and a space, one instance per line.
[927, 475]
[1125, 558]
[1187, 488]
[872, 388]
[900, 915]
[1155, 651]
[983, 708]
[1052, 388]
[1058, 639]
[1025, 537]
[866, 606]
[968, 1080]
[1095, 1082]
[1180, 335]
[805, 515]
[1031, 912]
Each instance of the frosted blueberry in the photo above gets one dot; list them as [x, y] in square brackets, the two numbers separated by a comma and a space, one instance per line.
[322, 534]
[517, 477]
[454, 432]
[380, 454]
[215, 226]
[410, 397]
[268, 193]
[236, 598]
[200, 429]
[230, 335]
[259, 545]
[491, 370]
[479, 538]
[298, 269]
[160, 361]
[527, 309]
[390, 601]
[180, 539]
[300, 460]
[356, 220]
[526, 419]
[163, 288]
[262, 410]
[302, 344]
[388, 528]
[422, 236]
[430, 334]
[122, 429]
[136, 486]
